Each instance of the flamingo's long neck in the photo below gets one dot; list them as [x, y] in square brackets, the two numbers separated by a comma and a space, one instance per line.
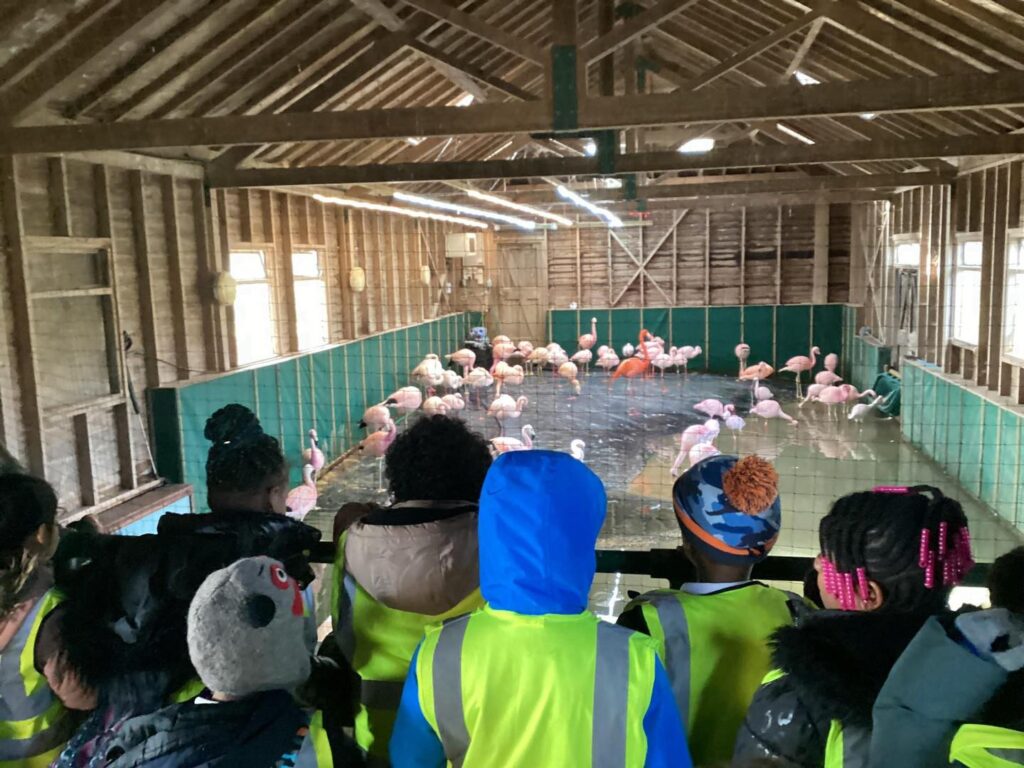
[814, 360]
[593, 327]
[526, 438]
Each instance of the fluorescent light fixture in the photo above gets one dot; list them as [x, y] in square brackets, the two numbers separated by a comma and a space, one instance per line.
[590, 147]
[868, 115]
[414, 140]
[611, 218]
[365, 205]
[794, 133]
[464, 100]
[464, 210]
[610, 182]
[804, 79]
[528, 210]
[697, 146]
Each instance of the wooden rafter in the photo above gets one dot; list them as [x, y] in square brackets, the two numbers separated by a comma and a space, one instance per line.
[733, 104]
[630, 30]
[805, 48]
[474, 25]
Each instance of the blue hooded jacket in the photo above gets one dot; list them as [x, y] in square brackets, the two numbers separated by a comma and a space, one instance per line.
[540, 515]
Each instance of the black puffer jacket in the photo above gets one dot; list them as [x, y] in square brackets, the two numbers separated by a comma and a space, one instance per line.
[835, 664]
[123, 622]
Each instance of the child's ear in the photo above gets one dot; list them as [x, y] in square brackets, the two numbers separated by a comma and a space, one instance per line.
[46, 538]
[875, 596]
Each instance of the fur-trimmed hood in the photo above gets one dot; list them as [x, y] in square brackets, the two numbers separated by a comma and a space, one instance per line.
[837, 661]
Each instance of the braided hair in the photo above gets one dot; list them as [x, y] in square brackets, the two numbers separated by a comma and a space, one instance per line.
[243, 458]
[26, 503]
[914, 543]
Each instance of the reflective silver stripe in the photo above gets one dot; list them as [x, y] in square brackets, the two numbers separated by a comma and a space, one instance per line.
[346, 608]
[856, 747]
[1012, 755]
[57, 734]
[677, 650]
[381, 694]
[14, 704]
[447, 680]
[611, 696]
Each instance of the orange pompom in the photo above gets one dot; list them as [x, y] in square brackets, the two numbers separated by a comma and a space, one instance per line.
[751, 485]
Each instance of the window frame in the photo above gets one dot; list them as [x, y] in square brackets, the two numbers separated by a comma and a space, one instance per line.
[963, 239]
[267, 280]
[1015, 240]
[298, 279]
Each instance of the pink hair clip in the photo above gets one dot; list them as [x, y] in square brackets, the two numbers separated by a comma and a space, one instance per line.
[896, 489]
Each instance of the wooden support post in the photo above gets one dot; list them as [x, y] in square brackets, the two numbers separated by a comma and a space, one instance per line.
[175, 275]
[384, 304]
[579, 268]
[819, 290]
[245, 215]
[125, 446]
[286, 277]
[409, 278]
[21, 309]
[204, 280]
[929, 194]
[60, 203]
[267, 209]
[778, 255]
[83, 459]
[394, 270]
[227, 330]
[988, 245]
[117, 364]
[146, 302]
[997, 305]
[675, 264]
[707, 257]
[305, 226]
[743, 256]
[346, 297]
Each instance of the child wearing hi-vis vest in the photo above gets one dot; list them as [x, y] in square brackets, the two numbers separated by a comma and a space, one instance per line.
[713, 634]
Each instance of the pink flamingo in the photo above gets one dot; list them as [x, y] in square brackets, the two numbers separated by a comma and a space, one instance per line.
[302, 498]
[556, 357]
[377, 416]
[538, 357]
[831, 396]
[504, 407]
[405, 400]
[852, 395]
[568, 371]
[435, 406]
[502, 352]
[465, 358]
[587, 340]
[757, 374]
[603, 350]
[502, 339]
[504, 373]
[454, 402]
[525, 348]
[799, 364]
[702, 451]
[583, 358]
[763, 393]
[711, 407]
[501, 445]
[577, 448]
[742, 352]
[636, 366]
[693, 435]
[313, 455]
[627, 351]
[734, 422]
[831, 361]
[662, 361]
[377, 444]
[828, 378]
[861, 411]
[770, 409]
[608, 361]
[429, 372]
[812, 393]
[451, 380]
[477, 379]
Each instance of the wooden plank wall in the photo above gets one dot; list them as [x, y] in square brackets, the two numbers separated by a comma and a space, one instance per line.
[697, 257]
[392, 250]
[105, 249]
[987, 204]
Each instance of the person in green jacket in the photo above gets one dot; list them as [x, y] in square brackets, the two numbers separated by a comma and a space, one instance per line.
[713, 634]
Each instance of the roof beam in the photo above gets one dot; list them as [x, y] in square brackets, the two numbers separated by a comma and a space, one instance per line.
[474, 25]
[630, 30]
[91, 39]
[708, 106]
[754, 49]
[803, 50]
[452, 61]
[650, 162]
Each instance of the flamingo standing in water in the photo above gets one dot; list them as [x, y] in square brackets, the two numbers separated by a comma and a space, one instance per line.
[711, 407]
[582, 358]
[603, 350]
[556, 357]
[377, 444]
[538, 357]
[435, 406]
[504, 407]
[313, 455]
[525, 348]
[404, 400]
[451, 380]
[636, 366]
[757, 374]
[861, 411]
[661, 361]
[627, 351]
[812, 393]
[694, 435]
[763, 393]
[702, 451]
[578, 449]
[608, 361]
[770, 409]
[568, 371]
[734, 422]
[429, 372]
[502, 351]
[465, 358]
[479, 378]
[302, 498]
[454, 402]
[797, 365]
[504, 373]
[742, 352]
[377, 416]
[828, 378]
[852, 395]
[500, 445]
[587, 340]
[831, 396]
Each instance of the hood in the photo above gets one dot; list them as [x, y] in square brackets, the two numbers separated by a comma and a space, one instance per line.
[424, 567]
[837, 661]
[540, 514]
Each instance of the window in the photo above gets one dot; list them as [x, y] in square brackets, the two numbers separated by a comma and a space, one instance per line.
[967, 292]
[254, 317]
[1013, 313]
[310, 299]
[908, 254]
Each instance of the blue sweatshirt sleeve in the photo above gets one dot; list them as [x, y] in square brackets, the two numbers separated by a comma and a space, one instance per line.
[663, 726]
[413, 742]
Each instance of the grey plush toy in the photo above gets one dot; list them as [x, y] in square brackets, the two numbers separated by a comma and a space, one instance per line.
[247, 629]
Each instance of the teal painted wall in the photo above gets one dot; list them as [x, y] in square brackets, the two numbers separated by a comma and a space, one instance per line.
[862, 360]
[328, 389]
[957, 426]
[775, 333]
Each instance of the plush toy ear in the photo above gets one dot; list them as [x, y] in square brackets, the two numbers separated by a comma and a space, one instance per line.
[258, 610]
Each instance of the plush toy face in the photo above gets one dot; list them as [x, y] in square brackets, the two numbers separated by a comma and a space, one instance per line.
[247, 629]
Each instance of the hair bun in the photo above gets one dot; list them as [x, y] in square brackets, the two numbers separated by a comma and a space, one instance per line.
[232, 424]
[752, 485]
